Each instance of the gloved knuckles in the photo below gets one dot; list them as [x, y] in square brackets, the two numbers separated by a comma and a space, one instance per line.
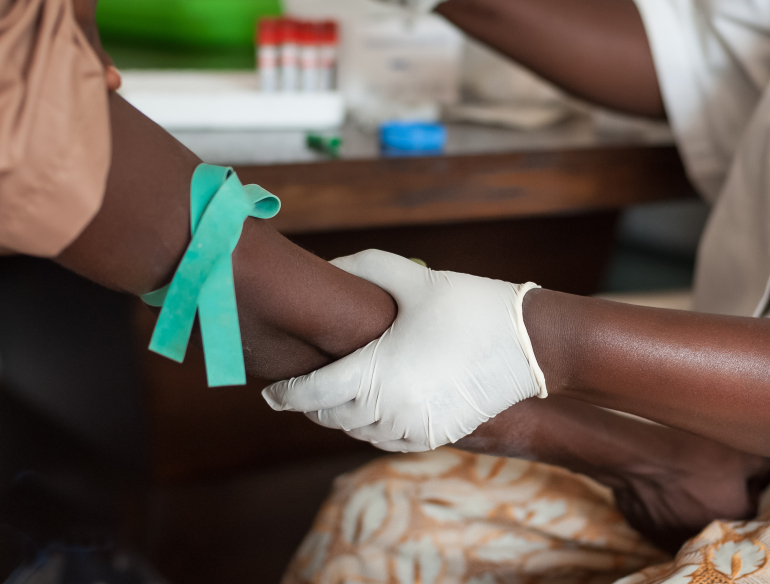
[450, 361]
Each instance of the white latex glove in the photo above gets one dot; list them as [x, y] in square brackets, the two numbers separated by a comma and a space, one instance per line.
[456, 355]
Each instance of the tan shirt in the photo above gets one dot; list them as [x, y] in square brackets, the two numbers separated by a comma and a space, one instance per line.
[54, 127]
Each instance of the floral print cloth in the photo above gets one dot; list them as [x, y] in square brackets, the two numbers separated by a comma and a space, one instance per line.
[451, 517]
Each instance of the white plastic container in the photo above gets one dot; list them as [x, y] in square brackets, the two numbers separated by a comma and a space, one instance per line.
[398, 66]
[207, 100]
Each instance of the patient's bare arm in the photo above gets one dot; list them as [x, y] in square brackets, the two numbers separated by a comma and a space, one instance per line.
[595, 49]
[297, 311]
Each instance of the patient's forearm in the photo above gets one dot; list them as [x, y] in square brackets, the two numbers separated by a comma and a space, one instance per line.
[289, 300]
[297, 311]
[595, 49]
[143, 227]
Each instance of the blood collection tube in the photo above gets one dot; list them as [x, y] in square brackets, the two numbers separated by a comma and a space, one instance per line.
[327, 56]
[308, 56]
[267, 53]
[288, 38]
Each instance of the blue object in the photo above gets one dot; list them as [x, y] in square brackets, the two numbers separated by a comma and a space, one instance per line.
[203, 283]
[412, 138]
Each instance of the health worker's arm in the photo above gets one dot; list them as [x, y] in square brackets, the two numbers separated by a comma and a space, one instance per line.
[594, 49]
[463, 350]
[702, 373]
[451, 365]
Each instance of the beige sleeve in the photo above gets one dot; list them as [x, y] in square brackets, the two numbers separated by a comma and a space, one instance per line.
[711, 60]
[54, 127]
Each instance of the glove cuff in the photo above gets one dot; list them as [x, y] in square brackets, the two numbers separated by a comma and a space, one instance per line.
[524, 340]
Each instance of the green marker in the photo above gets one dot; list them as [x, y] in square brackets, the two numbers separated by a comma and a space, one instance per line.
[326, 144]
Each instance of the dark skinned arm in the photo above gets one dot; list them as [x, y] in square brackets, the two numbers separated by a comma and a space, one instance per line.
[297, 311]
[594, 49]
[702, 373]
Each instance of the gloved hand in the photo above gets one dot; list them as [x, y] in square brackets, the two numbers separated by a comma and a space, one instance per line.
[456, 355]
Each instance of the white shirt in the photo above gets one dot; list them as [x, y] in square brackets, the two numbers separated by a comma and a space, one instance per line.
[713, 63]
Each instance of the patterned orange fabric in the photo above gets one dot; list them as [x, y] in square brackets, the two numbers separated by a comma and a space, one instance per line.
[452, 517]
[722, 554]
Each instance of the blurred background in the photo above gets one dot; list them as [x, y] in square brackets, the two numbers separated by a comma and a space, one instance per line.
[377, 128]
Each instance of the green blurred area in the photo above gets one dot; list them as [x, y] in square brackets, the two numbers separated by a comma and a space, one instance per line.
[182, 34]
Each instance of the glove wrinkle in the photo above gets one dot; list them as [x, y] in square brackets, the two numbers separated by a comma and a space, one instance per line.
[452, 359]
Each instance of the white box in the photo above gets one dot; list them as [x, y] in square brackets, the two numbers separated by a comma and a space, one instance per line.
[214, 100]
[400, 60]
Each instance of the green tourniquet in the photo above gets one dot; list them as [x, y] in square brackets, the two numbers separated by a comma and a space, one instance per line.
[219, 205]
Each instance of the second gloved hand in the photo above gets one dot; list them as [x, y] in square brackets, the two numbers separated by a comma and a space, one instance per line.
[456, 355]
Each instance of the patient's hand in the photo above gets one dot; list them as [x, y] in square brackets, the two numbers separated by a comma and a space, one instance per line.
[671, 501]
[668, 484]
